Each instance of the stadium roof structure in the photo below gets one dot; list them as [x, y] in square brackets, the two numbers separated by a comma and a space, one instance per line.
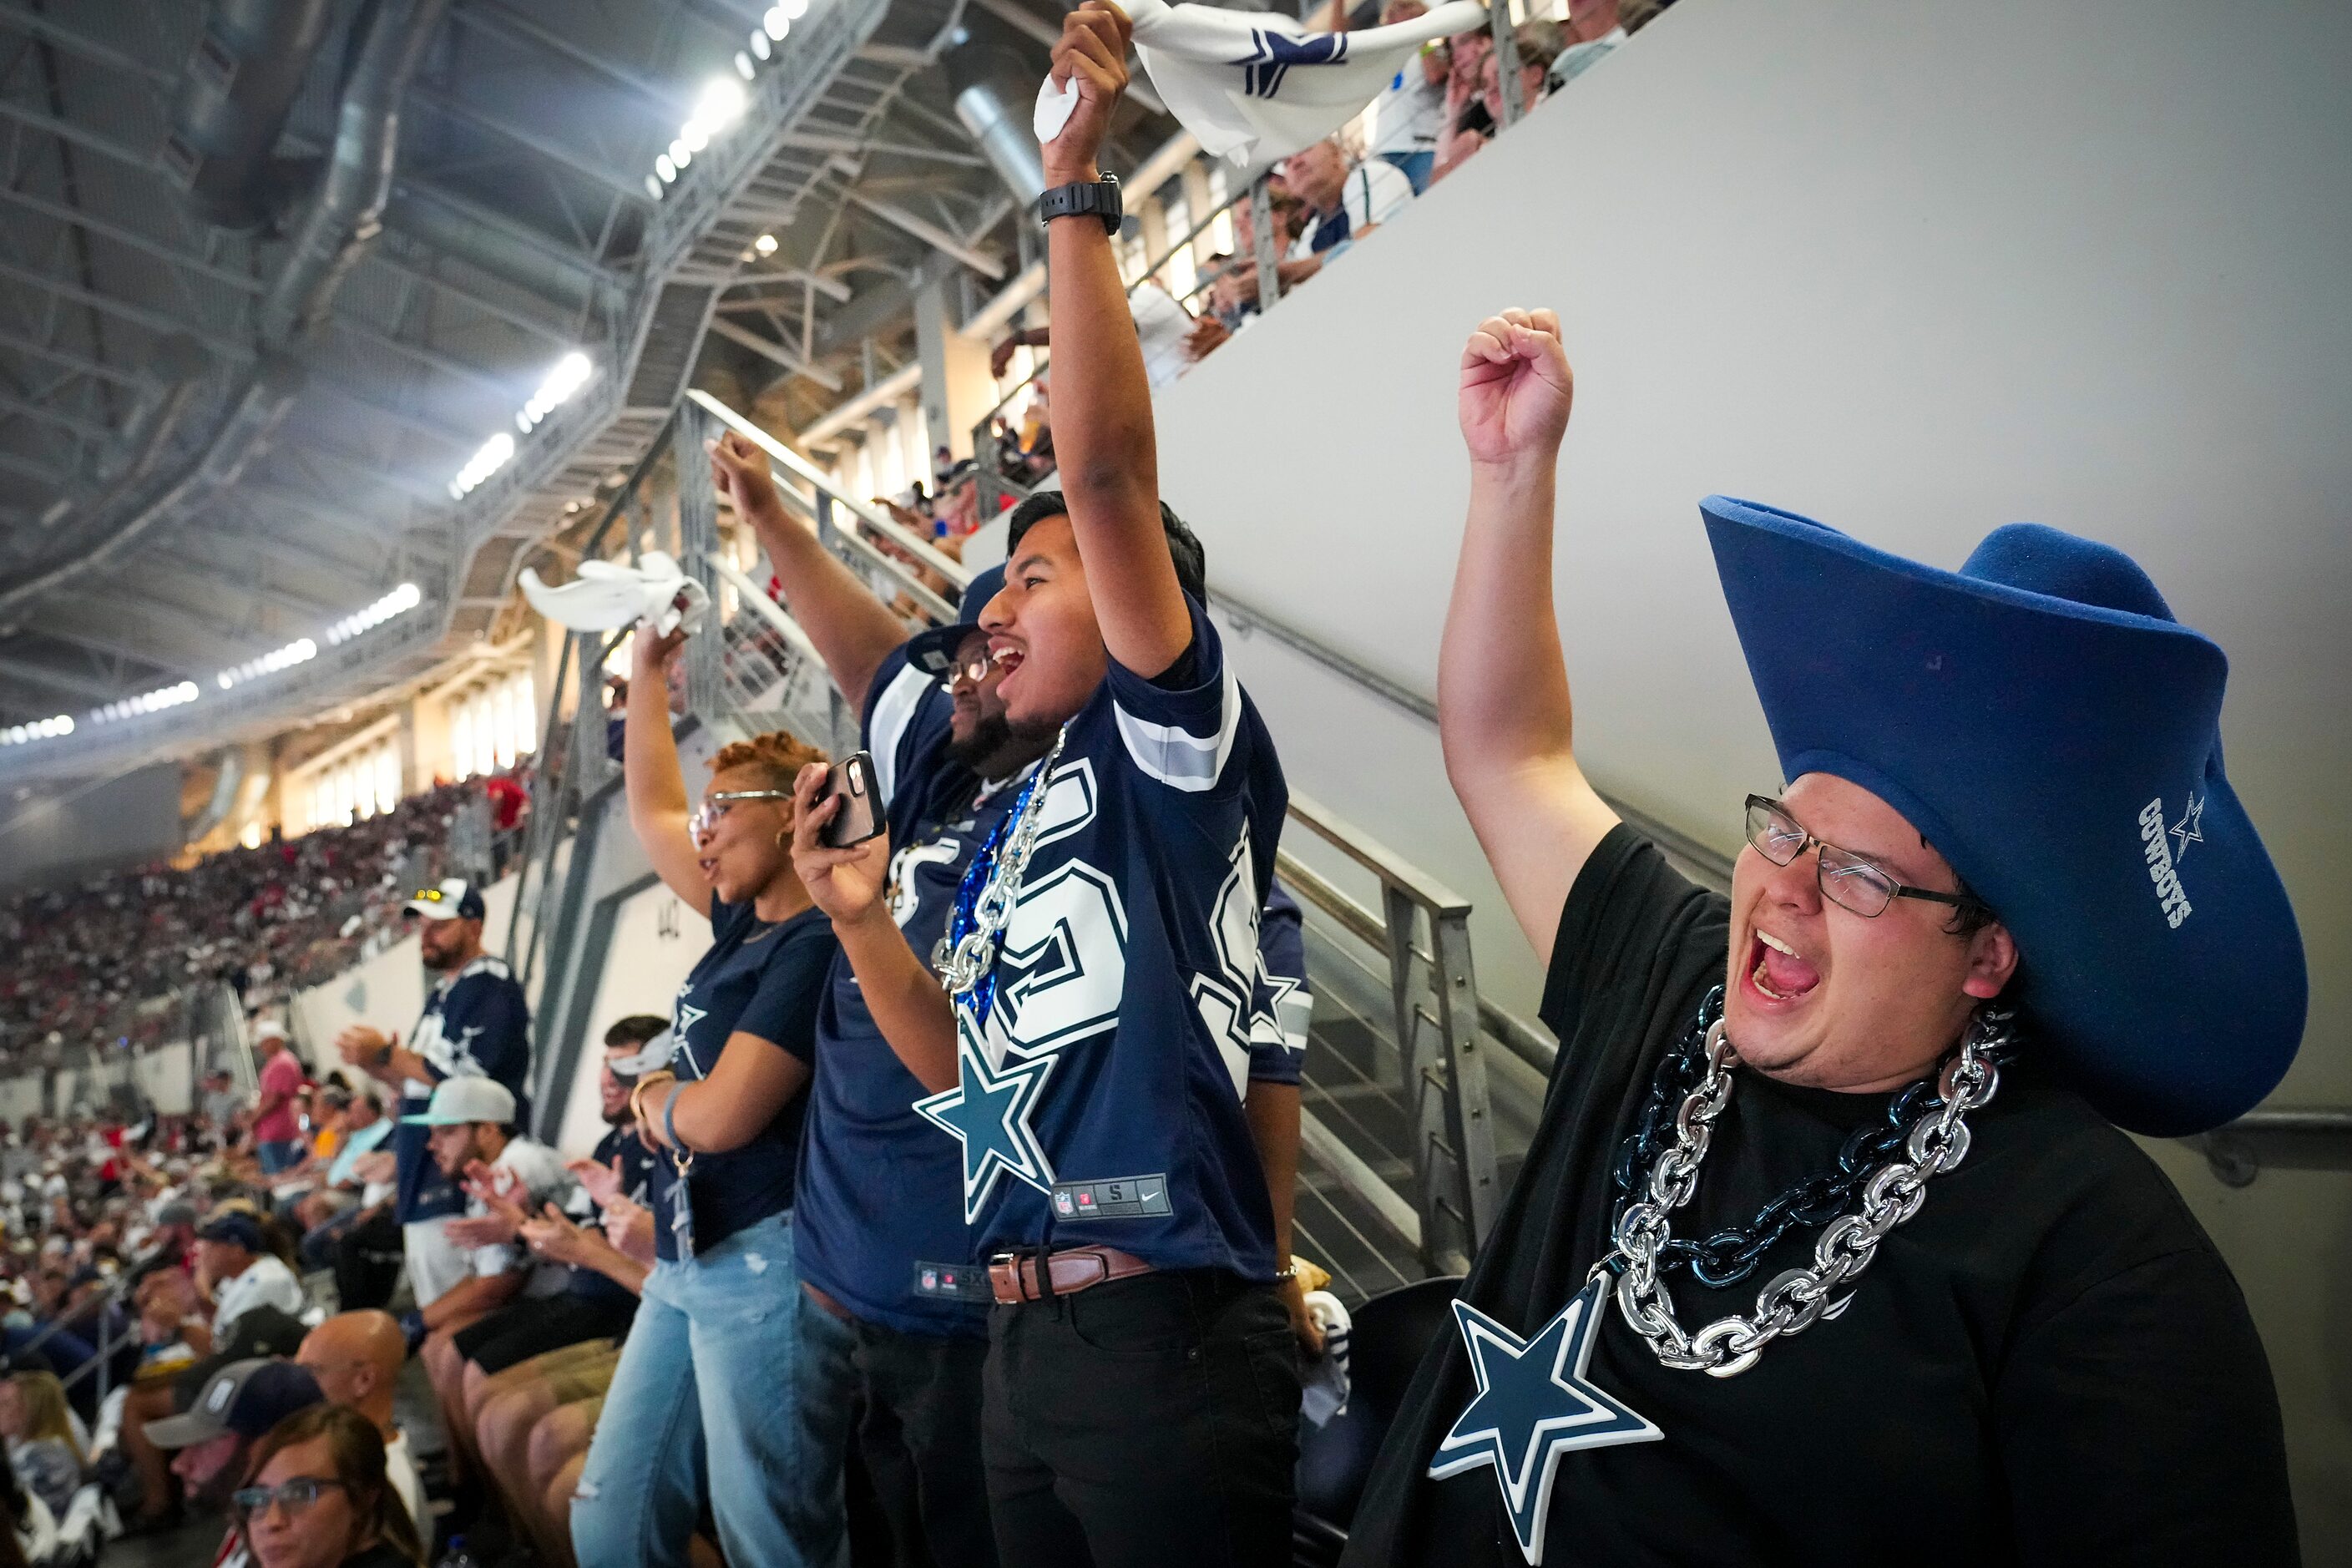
[317, 315]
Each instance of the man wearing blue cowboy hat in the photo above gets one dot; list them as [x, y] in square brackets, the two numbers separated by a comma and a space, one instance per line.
[1848, 1141]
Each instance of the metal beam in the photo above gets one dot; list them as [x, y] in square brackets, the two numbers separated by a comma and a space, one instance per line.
[79, 136]
[421, 269]
[248, 585]
[820, 142]
[49, 30]
[359, 523]
[136, 241]
[935, 236]
[65, 681]
[11, 342]
[12, 463]
[502, 21]
[82, 634]
[533, 141]
[431, 358]
[89, 429]
[774, 354]
[153, 321]
[832, 289]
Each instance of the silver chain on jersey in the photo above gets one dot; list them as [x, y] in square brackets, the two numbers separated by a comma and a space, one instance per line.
[1795, 1297]
[962, 965]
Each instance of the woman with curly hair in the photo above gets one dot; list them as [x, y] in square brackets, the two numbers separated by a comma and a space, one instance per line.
[705, 1401]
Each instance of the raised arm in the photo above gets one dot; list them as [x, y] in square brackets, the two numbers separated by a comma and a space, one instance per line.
[658, 808]
[854, 631]
[1503, 709]
[1102, 400]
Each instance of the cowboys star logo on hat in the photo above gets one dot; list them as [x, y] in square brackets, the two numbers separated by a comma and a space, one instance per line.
[2030, 714]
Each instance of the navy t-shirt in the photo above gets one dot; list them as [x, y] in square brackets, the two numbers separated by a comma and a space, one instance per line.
[476, 1022]
[1101, 1099]
[757, 979]
[620, 1144]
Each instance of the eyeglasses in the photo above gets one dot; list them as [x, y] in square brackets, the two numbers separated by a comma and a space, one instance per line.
[429, 895]
[717, 805]
[974, 669]
[1846, 878]
[295, 1495]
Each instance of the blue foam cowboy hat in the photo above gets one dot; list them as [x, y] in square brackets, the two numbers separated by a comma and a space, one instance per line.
[2050, 727]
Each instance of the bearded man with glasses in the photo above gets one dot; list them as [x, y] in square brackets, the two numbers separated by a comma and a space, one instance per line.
[1829, 1247]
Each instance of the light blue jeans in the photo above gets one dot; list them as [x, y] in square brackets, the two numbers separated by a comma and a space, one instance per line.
[713, 1398]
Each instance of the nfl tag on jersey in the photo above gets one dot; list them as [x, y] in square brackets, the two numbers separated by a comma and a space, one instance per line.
[953, 1281]
[1122, 1197]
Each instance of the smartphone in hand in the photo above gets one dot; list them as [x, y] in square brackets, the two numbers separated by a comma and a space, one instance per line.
[852, 781]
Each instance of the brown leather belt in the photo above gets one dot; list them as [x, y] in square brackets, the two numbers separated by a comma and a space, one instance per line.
[1013, 1277]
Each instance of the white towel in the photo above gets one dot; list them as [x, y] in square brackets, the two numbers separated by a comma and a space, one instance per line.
[607, 595]
[1327, 1379]
[1228, 75]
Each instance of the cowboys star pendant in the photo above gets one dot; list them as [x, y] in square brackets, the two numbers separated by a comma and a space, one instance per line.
[1533, 1405]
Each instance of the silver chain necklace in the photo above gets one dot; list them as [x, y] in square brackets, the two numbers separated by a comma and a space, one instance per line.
[1796, 1298]
[962, 964]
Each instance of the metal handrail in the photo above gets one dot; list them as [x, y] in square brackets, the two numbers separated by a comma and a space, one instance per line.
[808, 473]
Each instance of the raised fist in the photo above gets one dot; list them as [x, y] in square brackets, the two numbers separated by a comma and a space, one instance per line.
[1092, 53]
[1515, 389]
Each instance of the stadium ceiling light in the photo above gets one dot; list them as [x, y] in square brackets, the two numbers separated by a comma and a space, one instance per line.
[41, 730]
[301, 650]
[153, 702]
[776, 23]
[765, 245]
[795, 9]
[570, 375]
[653, 186]
[399, 602]
[761, 48]
[491, 457]
[664, 169]
[743, 67]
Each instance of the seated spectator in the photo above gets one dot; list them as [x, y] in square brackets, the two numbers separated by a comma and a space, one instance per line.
[316, 1496]
[523, 1364]
[1333, 201]
[211, 1440]
[506, 1176]
[236, 1271]
[1594, 29]
[1409, 113]
[356, 1358]
[343, 1188]
[42, 1444]
[1474, 123]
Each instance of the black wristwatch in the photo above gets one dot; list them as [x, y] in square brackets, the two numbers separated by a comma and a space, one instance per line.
[1100, 199]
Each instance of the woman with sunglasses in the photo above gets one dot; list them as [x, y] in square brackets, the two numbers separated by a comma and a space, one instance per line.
[1829, 1247]
[704, 1402]
[316, 1496]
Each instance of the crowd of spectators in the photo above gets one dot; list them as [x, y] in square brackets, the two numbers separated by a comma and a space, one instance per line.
[100, 964]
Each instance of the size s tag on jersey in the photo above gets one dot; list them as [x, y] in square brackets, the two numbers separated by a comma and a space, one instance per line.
[953, 1282]
[1119, 1198]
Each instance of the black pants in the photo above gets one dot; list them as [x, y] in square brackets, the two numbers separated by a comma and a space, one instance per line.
[367, 1263]
[1152, 1420]
[919, 1436]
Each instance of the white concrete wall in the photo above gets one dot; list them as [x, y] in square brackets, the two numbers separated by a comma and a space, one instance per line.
[387, 992]
[1917, 270]
[656, 942]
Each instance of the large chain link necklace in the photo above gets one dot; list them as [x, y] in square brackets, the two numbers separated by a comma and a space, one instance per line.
[966, 956]
[1934, 1141]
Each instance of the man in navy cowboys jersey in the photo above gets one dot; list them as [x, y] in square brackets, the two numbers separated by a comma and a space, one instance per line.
[893, 1260]
[475, 1021]
[1141, 1387]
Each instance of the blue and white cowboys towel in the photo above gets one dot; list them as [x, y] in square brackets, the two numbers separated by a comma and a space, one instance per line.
[1255, 86]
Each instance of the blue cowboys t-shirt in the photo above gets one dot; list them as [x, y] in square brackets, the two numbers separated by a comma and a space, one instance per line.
[1128, 987]
[878, 1186]
[620, 1144]
[757, 979]
[477, 1022]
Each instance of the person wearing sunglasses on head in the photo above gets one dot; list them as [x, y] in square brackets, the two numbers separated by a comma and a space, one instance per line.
[316, 1496]
[706, 1402]
[1829, 1246]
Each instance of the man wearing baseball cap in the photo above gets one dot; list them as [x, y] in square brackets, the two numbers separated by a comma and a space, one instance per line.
[476, 1024]
[236, 1405]
[469, 1126]
[276, 1131]
[236, 1272]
